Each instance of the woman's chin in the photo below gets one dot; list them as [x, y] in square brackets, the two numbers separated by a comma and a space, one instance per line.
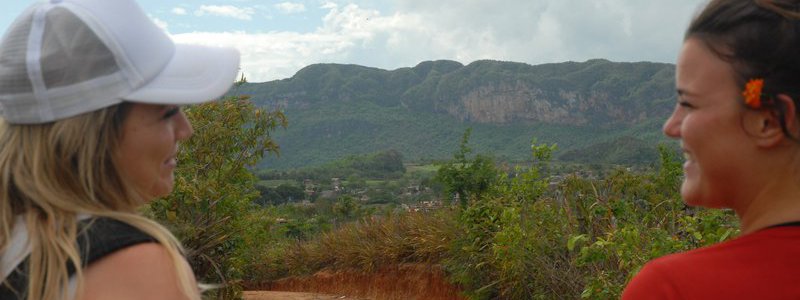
[689, 194]
[159, 191]
[692, 197]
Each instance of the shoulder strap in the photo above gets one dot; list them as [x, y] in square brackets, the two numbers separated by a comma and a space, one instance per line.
[103, 236]
[97, 237]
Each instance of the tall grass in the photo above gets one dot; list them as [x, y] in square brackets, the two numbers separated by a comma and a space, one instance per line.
[373, 243]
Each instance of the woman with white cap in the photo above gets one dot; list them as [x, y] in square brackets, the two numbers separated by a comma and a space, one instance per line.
[90, 94]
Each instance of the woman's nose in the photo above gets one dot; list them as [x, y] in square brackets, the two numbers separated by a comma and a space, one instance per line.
[672, 127]
[183, 128]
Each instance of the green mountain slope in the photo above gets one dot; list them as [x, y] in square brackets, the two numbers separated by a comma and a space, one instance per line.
[591, 110]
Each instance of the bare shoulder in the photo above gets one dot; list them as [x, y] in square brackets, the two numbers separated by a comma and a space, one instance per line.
[142, 271]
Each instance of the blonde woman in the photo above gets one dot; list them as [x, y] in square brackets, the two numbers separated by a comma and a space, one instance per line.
[738, 84]
[90, 94]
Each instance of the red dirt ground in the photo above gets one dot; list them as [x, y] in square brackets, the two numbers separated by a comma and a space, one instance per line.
[406, 282]
[271, 295]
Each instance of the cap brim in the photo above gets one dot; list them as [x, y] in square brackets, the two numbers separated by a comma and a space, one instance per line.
[195, 74]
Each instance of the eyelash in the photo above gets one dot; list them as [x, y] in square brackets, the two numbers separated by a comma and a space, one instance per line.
[172, 112]
[685, 104]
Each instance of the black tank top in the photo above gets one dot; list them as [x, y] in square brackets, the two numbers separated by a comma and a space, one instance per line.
[97, 237]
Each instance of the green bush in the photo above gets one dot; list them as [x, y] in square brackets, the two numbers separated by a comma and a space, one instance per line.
[584, 238]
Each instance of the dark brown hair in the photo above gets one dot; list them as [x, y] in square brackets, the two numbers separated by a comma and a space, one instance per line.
[761, 39]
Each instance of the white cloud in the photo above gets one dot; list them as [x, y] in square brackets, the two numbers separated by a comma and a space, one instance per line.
[160, 23]
[231, 11]
[527, 31]
[273, 55]
[328, 5]
[179, 11]
[290, 7]
[555, 30]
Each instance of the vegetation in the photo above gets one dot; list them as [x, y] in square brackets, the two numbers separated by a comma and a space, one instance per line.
[373, 179]
[342, 110]
[387, 164]
[465, 177]
[526, 236]
[524, 228]
[585, 238]
[284, 193]
[210, 209]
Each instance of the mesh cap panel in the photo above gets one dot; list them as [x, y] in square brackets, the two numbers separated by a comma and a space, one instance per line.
[62, 58]
[13, 71]
[71, 52]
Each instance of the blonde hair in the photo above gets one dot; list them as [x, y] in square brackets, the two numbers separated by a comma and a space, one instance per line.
[49, 174]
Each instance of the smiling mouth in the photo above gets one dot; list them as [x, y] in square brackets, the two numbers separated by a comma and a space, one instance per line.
[173, 158]
[171, 162]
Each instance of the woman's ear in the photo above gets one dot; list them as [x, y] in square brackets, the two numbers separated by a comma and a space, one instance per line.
[765, 125]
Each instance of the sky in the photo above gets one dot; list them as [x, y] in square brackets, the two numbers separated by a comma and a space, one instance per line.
[278, 38]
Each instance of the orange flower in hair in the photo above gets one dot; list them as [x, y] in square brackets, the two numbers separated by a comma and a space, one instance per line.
[752, 93]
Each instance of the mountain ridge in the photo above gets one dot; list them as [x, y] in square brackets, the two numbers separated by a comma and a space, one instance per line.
[335, 110]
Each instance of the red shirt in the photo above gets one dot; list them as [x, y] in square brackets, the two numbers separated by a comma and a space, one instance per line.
[761, 265]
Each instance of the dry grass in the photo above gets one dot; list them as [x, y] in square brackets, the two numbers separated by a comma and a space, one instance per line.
[396, 257]
[372, 244]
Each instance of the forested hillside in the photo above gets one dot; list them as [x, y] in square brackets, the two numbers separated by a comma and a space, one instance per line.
[590, 109]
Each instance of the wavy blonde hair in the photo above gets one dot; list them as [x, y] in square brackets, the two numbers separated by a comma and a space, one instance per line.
[49, 174]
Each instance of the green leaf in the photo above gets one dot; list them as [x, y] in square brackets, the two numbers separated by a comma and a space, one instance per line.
[725, 235]
[574, 240]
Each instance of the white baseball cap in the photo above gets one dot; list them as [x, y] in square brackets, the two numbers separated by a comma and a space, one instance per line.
[62, 58]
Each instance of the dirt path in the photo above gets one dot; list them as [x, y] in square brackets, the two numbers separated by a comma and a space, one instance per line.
[399, 282]
[269, 295]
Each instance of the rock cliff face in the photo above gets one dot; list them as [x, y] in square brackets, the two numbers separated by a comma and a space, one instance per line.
[510, 103]
[506, 103]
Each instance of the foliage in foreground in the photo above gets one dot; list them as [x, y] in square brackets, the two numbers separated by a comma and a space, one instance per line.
[211, 209]
[525, 237]
[581, 237]
[522, 234]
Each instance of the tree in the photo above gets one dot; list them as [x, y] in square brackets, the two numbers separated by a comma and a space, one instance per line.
[346, 207]
[268, 196]
[355, 182]
[290, 193]
[214, 187]
[389, 161]
[465, 177]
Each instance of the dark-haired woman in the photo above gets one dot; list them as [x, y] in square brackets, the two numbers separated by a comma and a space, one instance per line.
[738, 84]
